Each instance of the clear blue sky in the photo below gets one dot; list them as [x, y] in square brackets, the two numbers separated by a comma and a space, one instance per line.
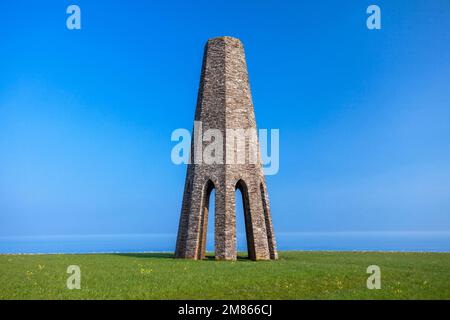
[86, 116]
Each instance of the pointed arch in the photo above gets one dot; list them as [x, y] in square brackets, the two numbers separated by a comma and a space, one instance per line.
[206, 194]
[242, 186]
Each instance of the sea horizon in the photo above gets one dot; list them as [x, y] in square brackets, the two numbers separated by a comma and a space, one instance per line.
[384, 241]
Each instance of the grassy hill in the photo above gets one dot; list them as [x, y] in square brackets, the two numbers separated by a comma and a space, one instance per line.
[296, 275]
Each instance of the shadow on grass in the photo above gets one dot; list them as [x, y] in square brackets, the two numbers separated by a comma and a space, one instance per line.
[157, 255]
[240, 257]
[169, 255]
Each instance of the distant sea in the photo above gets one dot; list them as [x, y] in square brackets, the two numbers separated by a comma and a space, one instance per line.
[357, 241]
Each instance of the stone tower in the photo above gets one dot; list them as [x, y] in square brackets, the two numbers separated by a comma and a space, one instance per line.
[225, 104]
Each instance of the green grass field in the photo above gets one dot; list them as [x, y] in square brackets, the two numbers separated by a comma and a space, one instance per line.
[296, 275]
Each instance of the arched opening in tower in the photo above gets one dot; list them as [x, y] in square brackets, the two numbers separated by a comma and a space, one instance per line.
[242, 201]
[210, 225]
[207, 221]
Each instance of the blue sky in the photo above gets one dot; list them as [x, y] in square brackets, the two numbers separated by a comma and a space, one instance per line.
[86, 116]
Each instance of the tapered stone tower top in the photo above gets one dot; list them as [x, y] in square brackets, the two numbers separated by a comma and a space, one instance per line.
[225, 157]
